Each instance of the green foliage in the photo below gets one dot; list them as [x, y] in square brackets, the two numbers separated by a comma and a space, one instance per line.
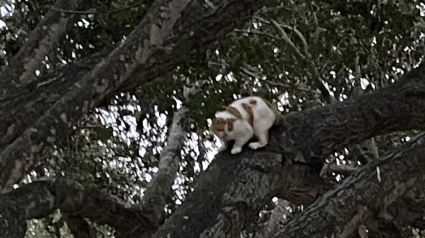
[315, 45]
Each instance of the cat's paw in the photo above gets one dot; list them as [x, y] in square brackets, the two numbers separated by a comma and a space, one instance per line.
[255, 145]
[236, 150]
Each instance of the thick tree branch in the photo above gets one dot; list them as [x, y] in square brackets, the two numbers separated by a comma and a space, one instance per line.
[410, 210]
[159, 189]
[152, 49]
[235, 188]
[79, 227]
[22, 67]
[39, 199]
[38, 96]
[370, 191]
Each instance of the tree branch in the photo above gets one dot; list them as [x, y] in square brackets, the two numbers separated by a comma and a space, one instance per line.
[306, 58]
[272, 224]
[159, 189]
[68, 11]
[149, 51]
[22, 67]
[79, 227]
[364, 193]
[234, 188]
[41, 198]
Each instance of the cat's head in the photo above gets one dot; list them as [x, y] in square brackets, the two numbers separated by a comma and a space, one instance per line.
[222, 126]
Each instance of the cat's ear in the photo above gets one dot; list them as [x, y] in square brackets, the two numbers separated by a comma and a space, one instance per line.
[230, 122]
[222, 108]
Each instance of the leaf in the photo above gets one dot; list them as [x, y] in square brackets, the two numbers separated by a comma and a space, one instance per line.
[103, 134]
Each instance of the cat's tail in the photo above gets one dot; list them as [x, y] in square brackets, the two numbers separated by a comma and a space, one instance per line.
[278, 115]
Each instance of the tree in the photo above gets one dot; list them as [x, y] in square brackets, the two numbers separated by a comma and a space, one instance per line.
[347, 75]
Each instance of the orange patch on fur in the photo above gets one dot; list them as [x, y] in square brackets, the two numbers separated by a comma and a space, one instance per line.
[248, 109]
[230, 122]
[276, 112]
[253, 101]
[235, 112]
[218, 124]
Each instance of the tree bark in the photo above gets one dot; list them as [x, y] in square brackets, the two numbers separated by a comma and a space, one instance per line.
[235, 188]
[152, 49]
[21, 68]
[79, 227]
[273, 223]
[159, 189]
[366, 193]
[230, 193]
[39, 199]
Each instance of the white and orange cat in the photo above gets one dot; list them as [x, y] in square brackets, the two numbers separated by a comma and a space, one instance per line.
[243, 119]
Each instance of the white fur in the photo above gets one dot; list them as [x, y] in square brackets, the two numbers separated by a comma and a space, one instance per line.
[264, 118]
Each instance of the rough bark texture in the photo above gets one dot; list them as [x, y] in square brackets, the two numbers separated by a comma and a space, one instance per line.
[159, 189]
[370, 191]
[273, 223]
[21, 68]
[230, 193]
[234, 188]
[152, 49]
[39, 199]
[20, 111]
[79, 227]
[411, 208]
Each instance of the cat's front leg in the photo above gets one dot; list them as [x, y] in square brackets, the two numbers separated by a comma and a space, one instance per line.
[242, 138]
[263, 139]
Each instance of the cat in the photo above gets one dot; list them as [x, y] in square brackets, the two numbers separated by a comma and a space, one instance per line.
[243, 119]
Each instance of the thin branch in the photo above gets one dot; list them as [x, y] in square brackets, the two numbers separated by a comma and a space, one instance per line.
[307, 58]
[285, 37]
[300, 35]
[332, 166]
[272, 225]
[357, 77]
[257, 33]
[250, 73]
[69, 11]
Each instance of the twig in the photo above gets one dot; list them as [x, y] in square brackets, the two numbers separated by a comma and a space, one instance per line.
[249, 73]
[333, 167]
[257, 33]
[93, 12]
[300, 35]
[285, 37]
